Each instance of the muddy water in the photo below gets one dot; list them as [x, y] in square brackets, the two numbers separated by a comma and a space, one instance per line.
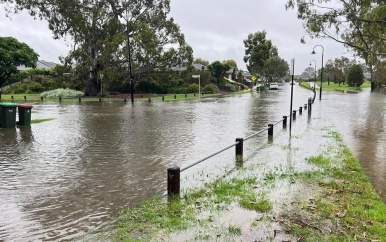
[65, 177]
[361, 119]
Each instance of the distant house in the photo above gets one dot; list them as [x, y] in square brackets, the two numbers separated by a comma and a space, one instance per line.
[200, 67]
[40, 64]
[229, 74]
[247, 75]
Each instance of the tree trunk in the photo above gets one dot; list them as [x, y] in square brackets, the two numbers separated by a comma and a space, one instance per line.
[92, 86]
[371, 78]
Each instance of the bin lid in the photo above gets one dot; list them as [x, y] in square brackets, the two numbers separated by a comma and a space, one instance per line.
[5, 104]
[24, 105]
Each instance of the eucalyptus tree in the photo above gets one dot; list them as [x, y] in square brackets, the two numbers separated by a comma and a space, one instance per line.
[275, 68]
[158, 43]
[218, 70]
[359, 25]
[101, 29]
[201, 61]
[13, 54]
[257, 51]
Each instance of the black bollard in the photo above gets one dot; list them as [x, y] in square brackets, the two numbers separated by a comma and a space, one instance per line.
[125, 100]
[149, 99]
[163, 98]
[100, 99]
[300, 110]
[174, 181]
[25, 98]
[194, 94]
[270, 129]
[294, 115]
[41, 99]
[239, 148]
[12, 97]
[284, 122]
[60, 99]
[80, 100]
[305, 106]
[309, 106]
[175, 96]
[186, 95]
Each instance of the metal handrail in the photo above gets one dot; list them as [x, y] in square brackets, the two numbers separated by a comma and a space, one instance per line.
[209, 156]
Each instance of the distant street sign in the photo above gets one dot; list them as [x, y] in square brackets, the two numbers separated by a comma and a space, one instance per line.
[196, 76]
[253, 78]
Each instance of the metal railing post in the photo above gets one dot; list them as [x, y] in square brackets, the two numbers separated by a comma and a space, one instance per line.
[294, 115]
[309, 106]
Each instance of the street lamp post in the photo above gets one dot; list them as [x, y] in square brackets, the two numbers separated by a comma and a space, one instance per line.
[129, 59]
[314, 72]
[321, 73]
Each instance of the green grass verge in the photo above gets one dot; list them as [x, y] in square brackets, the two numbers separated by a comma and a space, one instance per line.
[336, 87]
[169, 97]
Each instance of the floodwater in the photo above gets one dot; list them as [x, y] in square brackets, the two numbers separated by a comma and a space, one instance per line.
[65, 177]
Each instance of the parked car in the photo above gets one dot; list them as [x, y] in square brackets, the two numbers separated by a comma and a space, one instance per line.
[273, 86]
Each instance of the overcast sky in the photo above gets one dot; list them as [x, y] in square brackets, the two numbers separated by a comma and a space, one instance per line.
[215, 29]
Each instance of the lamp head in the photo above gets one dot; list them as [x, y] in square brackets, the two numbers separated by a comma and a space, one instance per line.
[313, 52]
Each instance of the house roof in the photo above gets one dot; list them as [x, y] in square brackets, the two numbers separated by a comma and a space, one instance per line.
[41, 64]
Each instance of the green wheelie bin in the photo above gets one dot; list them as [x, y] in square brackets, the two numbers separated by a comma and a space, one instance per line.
[7, 115]
[24, 114]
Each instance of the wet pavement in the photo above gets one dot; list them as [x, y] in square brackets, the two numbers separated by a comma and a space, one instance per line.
[65, 177]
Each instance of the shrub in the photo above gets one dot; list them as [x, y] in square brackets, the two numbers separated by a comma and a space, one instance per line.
[63, 93]
[211, 88]
[229, 87]
[29, 87]
[355, 77]
[193, 88]
[178, 90]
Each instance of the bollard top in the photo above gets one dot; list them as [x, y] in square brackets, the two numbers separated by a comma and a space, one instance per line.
[174, 168]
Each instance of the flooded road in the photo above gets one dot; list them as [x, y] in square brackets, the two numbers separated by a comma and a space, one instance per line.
[361, 119]
[62, 178]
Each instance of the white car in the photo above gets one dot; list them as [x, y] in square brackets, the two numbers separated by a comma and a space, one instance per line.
[273, 86]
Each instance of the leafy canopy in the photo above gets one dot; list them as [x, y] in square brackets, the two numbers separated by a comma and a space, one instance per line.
[13, 54]
[257, 51]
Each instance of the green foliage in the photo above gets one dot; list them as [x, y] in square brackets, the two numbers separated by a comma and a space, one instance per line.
[229, 87]
[102, 38]
[63, 93]
[360, 26]
[380, 74]
[211, 88]
[257, 51]
[193, 88]
[13, 54]
[218, 70]
[355, 77]
[26, 87]
[275, 68]
[201, 61]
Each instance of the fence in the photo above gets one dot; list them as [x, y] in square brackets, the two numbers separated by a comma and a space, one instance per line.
[174, 172]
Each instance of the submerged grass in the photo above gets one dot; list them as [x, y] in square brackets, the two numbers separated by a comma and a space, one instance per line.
[345, 208]
[37, 121]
